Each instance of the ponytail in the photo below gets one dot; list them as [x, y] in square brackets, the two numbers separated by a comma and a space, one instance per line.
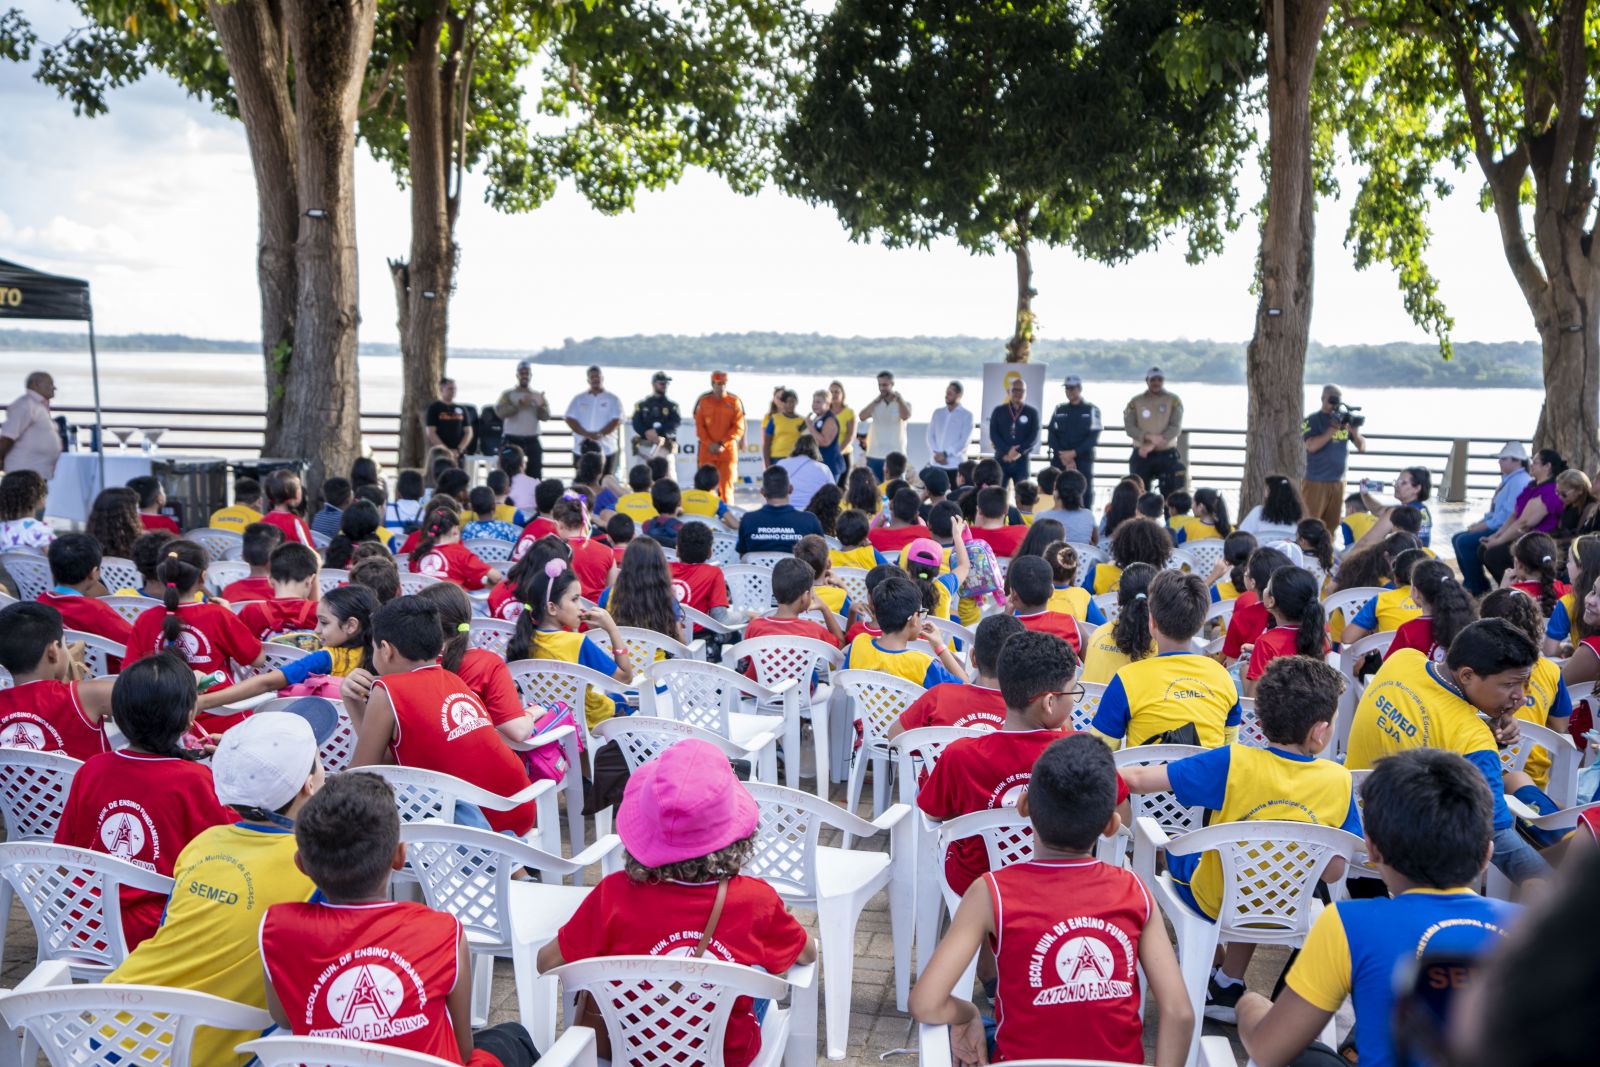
[1063, 560]
[455, 619]
[1314, 538]
[438, 522]
[1131, 632]
[1214, 503]
[1294, 599]
[543, 589]
[1536, 552]
[1452, 608]
[1237, 548]
[182, 567]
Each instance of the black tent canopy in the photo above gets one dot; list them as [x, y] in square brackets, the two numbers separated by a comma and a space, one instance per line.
[26, 293]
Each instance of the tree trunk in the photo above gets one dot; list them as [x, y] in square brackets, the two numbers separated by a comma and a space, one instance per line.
[252, 37]
[330, 41]
[1276, 361]
[1020, 348]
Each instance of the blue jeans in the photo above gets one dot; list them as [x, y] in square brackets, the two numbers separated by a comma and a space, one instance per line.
[876, 467]
[1516, 858]
[1473, 576]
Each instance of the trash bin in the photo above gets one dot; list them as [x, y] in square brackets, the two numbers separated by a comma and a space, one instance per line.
[196, 486]
[260, 468]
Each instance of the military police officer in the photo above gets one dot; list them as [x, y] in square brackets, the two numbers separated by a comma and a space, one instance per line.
[655, 422]
[1074, 432]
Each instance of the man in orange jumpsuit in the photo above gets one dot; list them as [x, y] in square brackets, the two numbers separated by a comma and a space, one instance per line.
[719, 423]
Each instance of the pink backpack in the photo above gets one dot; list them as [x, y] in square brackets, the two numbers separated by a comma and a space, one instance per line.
[550, 762]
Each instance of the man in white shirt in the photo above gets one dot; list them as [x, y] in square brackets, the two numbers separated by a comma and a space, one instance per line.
[950, 430]
[887, 413]
[28, 437]
[594, 417]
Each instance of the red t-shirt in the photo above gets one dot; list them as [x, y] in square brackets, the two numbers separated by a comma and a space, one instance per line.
[1417, 633]
[441, 725]
[160, 522]
[767, 626]
[1532, 588]
[1066, 943]
[592, 563]
[1005, 540]
[540, 527]
[622, 917]
[890, 540]
[857, 630]
[1059, 623]
[46, 715]
[255, 588]
[1250, 619]
[209, 636]
[368, 972]
[503, 602]
[293, 526]
[452, 563]
[1278, 641]
[954, 704]
[90, 615]
[487, 675]
[267, 618]
[980, 774]
[143, 809]
[699, 586]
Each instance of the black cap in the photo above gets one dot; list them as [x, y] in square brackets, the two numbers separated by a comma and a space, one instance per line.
[661, 376]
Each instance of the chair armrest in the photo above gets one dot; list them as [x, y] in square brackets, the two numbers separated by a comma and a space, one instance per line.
[1519, 809]
[801, 975]
[43, 975]
[1216, 1052]
[697, 648]
[495, 802]
[933, 1046]
[597, 851]
[757, 742]
[889, 818]
[1149, 831]
[537, 741]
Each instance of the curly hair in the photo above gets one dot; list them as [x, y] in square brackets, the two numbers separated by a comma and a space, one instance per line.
[114, 521]
[1141, 540]
[723, 863]
[21, 494]
[826, 504]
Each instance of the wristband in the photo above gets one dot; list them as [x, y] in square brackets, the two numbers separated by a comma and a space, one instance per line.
[320, 662]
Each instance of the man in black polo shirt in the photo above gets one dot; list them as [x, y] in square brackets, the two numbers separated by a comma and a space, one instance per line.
[449, 424]
[775, 526]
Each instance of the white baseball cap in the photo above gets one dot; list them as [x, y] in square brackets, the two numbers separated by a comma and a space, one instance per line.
[1513, 450]
[263, 762]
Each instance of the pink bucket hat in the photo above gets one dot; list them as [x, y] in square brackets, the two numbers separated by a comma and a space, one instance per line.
[926, 551]
[684, 804]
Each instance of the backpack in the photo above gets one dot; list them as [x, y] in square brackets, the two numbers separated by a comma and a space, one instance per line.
[550, 762]
[983, 573]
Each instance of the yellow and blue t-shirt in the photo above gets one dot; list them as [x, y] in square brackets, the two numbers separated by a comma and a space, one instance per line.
[1387, 610]
[1074, 600]
[1355, 527]
[1102, 659]
[1355, 946]
[636, 506]
[1547, 698]
[1223, 590]
[863, 556]
[784, 431]
[834, 598]
[1150, 696]
[572, 647]
[1102, 578]
[1238, 784]
[1187, 528]
[1411, 703]
[1559, 626]
[703, 502]
[865, 653]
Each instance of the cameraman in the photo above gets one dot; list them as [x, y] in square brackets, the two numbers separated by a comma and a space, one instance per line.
[1328, 433]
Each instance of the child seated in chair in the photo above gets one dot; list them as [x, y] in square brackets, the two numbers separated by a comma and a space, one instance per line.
[663, 525]
[260, 540]
[697, 582]
[293, 606]
[851, 528]
[1176, 696]
[1032, 583]
[1295, 702]
[1065, 929]
[864, 622]
[46, 708]
[354, 964]
[75, 575]
[813, 550]
[897, 608]
[977, 704]
[688, 825]
[1429, 821]
[794, 588]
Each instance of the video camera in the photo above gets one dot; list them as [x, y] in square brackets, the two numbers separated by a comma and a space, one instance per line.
[1346, 415]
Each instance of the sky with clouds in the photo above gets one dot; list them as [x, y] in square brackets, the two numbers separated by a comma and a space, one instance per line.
[154, 204]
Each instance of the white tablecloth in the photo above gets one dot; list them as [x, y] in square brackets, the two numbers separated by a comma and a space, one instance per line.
[77, 480]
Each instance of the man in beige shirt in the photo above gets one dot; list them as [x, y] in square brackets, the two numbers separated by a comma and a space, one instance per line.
[28, 437]
[520, 410]
[1154, 419]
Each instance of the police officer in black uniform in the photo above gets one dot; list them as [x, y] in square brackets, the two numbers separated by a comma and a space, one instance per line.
[1074, 431]
[655, 422]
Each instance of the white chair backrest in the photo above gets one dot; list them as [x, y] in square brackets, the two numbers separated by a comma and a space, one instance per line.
[419, 794]
[1164, 808]
[29, 570]
[320, 541]
[786, 837]
[221, 574]
[340, 745]
[701, 621]
[854, 580]
[33, 789]
[129, 608]
[1007, 835]
[1108, 605]
[644, 737]
[1564, 759]
[490, 549]
[1183, 559]
[765, 560]
[491, 634]
[1351, 655]
[749, 587]
[219, 544]
[1220, 612]
[1250, 732]
[97, 652]
[706, 695]
[667, 1011]
[954, 631]
[275, 656]
[72, 897]
[412, 584]
[778, 659]
[1269, 872]
[1088, 554]
[118, 573]
[1350, 601]
[643, 645]
[1083, 711]
[467, 871]
[339, 1052]
[1359, 866]
[916, 752]
[1203, 554]
[331, 578]
[879, 700]
[724, 548]
[547, 681]
[123, 1025]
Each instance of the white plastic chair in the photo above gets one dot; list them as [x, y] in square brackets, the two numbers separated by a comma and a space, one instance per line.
[1183, 559]
[933, 1050]
[764, 560]
[777, 660]
[118, 573]
[97, 652]
[274, 656]
[699, 620]
[854, 580]
[423, 794]
[724, 548]
[961, 636]
[643, 646]
[25, 1052]
[749, 587]
[219, 575]
[575, 1048]
[129, 608]
[878, 699]
[340, 746]
[1162, 808]
[1350, 657]
[33, 794]
[320, 541]
[412, 584]
[29, 570]
[1088, 554]
[1108, 605]
[1203, 554]
[491, 550]
[1564, 757]
[493, 635]
[672, 1011]
[644, 737]
[712, 697]
[467, 872]
[219, 544]
[121, 1025]
[1083, 711]
[72, 897]
[836, 883]
[1220, 613]
[1251, 734]
[1350, 601]
[331, 578]
[1269, 872]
